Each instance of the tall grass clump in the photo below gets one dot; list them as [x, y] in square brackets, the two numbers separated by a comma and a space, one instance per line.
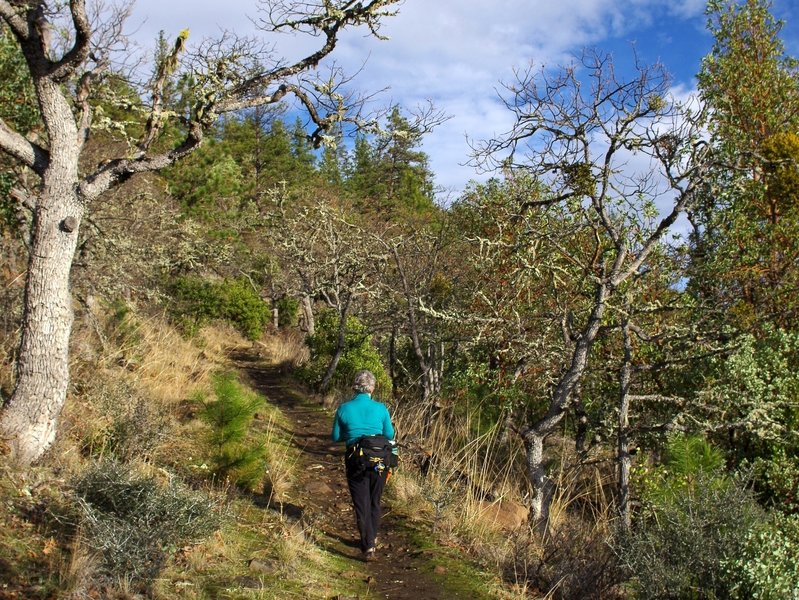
[132, 523]
[475, 487]
[466, 454]
[236, 453]
[286, 348]
[117, 421]
[569, 556]
[154, 355]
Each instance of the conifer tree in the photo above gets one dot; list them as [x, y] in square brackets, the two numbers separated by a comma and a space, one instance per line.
[746, 228]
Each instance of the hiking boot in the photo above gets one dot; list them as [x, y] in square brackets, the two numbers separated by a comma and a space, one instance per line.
[369, 555]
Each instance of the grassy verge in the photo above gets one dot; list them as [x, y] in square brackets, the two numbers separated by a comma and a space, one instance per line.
[134, 406]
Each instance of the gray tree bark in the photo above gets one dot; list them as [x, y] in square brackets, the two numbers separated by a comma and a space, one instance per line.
[30, 418]
[307, 315]
[623, 451]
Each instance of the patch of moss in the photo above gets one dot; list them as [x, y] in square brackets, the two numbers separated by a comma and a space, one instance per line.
[457, 574]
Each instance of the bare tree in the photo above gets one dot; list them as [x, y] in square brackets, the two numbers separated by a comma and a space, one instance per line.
[414, 295]
[228, 75]
[577, 135]
[329, 257]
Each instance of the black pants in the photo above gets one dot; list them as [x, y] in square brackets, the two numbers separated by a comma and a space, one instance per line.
[366, 489]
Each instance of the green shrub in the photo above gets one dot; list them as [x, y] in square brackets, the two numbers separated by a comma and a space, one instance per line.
[757, 388]
[235, 453]
[197, 301]
[777, 480]
[287, 311]
[133, 523]
[359, 353]
[694, 523]
[243, 307]
[768, 567]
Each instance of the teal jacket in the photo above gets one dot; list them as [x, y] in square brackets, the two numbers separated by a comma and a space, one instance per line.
[359, 417]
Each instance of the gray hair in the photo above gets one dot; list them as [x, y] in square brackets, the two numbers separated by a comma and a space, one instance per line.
[364, 382]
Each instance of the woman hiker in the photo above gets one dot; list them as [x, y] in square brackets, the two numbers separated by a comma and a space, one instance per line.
[355, 422]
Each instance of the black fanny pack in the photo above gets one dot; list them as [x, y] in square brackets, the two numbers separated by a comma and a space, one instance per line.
[371, 452]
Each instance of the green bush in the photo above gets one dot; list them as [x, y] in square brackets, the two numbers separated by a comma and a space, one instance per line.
[359, 353]
[758, 389]
[197, 301]
[768, 567]
[287, 311]
[235, 453]
[777, 480]
[133, 523]
[695, 522]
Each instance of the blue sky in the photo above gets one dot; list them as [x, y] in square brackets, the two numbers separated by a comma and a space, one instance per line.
[456, 52]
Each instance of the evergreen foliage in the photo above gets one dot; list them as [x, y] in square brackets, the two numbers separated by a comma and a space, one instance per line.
[681, 546]
[359, 353]
[197, 301]
[287, 308]
[744, 241]
[390, 175]
[17, 97]
[757, 389]
[236, 454]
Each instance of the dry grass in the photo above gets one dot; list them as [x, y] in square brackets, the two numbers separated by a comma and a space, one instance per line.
[78, 570]
[296, 546]
[571, 559]
[167, 366]
[134, 379]
[470, 469]
[408, 491]
[285, 348]
[467, 468]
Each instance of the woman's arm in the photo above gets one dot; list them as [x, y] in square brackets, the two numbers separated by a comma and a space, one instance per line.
[335, 434]
[388, 427]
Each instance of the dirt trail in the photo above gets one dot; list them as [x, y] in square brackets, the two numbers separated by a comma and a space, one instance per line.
[400, 572]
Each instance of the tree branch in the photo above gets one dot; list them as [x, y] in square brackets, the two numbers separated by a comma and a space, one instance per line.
[31, 155]
[75, 56]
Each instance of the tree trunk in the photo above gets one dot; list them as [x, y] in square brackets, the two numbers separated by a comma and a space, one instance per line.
[29, 421]
[307, 315]
[534, 435]
[392, 361]
[340, 346]
[30, 418]
[542, 485]
[623, 457]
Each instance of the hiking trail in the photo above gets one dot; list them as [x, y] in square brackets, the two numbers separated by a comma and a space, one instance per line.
[401, 572]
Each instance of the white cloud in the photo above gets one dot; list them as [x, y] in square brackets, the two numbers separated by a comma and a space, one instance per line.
[454, 52]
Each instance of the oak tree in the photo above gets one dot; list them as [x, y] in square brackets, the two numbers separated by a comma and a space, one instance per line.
[225, 75]
[590, 220]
